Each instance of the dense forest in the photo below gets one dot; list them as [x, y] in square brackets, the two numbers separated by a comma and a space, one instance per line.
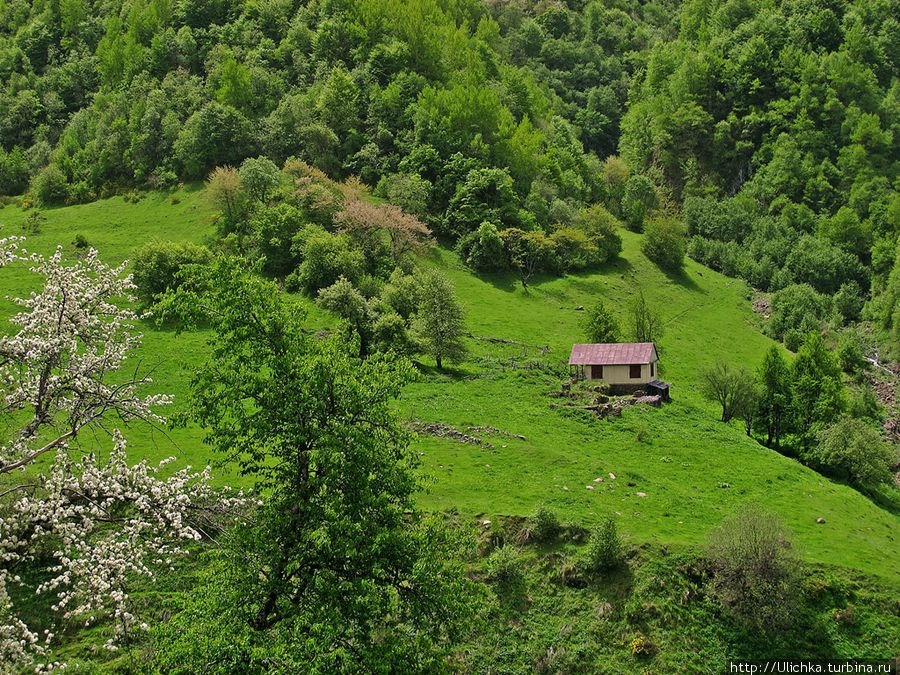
[771, 129]
[344, 149]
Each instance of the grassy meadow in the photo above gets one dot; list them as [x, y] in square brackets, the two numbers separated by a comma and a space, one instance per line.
[692, 469]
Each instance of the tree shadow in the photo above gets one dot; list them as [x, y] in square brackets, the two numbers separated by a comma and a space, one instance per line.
[682, 279]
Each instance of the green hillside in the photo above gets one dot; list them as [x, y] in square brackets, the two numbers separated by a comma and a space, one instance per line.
[692, 469]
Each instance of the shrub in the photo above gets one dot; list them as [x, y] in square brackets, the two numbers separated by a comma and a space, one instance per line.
[483, 249]
[600, 325]
[33, 223]
[543, 525]
[642, 646]
[853, 449]
[604, 549]
[849, 301]
[794, 305]
[49, 186]
[664, 243]
[326, 257]
[504, 566]
[157, 264]
[851, 351]
[755, 570]
[80, 242]
[601, 227]
[637, 201]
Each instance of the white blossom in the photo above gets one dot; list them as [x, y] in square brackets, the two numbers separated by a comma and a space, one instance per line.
[103, 521]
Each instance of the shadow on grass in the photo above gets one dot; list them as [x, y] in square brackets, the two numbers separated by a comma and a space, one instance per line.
[682, 279]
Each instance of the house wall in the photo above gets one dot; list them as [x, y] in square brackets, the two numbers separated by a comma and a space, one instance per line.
[620, 374]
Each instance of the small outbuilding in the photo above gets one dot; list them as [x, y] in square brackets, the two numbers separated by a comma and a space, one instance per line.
[624, 366]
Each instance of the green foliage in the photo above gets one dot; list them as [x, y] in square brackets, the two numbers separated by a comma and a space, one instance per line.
[158, 266]
[604, 548]
[49, 186]
[325, 258]
[215, 135]
[774, 413]
[486, 195]
[438, 323]
[529, 252]
[600, 325]
[543, 525]
[316, 557]
[271, 233]
[730, 387]
[645, 322]
[852, 449]
[849, 301]
[260, 178]
[504, 567]
[343, 299]
[817, 394]
[638, 199]
[797, 307]
[483, 249]
[755, 572]
[664, 243]
[851, 351]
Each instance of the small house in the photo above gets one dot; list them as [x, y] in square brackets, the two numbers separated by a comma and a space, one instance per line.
[624, 366]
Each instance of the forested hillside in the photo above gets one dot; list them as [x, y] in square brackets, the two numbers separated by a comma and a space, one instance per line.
[337, 251]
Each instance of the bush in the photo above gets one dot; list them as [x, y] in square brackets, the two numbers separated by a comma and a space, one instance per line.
[664, 243]
[601, 227]
[483, 249]
[642, 646]
[326, 257]
[157, 264]
[854, 450]
[755, 570]
[604, 549]
[49, 186]
[637, 202]
[600, 325]
[794, 306]
[389, 333]
[542, 526]
[849, 301]
[504, 566]
[81, 242]
[851, 351]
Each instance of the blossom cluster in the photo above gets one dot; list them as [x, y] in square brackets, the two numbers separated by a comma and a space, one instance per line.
[100, 521]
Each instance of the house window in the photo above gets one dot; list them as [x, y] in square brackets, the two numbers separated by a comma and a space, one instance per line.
[596, 372]
[651, 370]
[634, 371]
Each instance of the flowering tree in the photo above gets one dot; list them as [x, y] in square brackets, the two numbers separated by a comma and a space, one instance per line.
[99, 521]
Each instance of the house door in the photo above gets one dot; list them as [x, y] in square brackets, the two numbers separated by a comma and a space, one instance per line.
[596, 372]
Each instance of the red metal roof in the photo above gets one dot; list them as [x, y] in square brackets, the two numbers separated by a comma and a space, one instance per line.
[612, 354]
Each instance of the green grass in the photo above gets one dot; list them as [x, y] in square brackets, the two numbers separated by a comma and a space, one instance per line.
[685, 456]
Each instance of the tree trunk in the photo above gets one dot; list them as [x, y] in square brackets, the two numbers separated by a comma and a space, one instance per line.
[440, 364]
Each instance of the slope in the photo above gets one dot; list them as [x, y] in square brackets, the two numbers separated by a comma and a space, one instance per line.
[692, 469]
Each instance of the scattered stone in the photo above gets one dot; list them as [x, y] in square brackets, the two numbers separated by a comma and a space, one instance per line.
[565, 488]
[820, 520]
[724, 485]
[655, 400]
[442, 430]
[485, 523]
[496, 432]
[613, 476]
[589, 487]
[580, 308]
[641, 494]
[604, 609]
[598, 479]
